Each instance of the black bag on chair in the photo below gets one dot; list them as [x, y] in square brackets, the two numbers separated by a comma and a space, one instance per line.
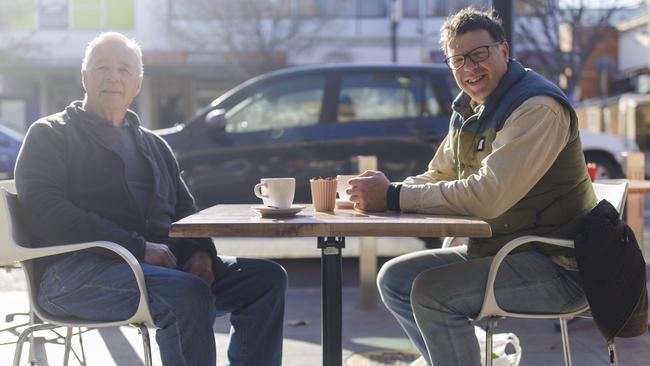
[613, 273]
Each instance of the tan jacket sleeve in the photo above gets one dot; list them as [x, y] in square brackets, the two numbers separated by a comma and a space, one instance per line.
[441, 168]
[522, 152]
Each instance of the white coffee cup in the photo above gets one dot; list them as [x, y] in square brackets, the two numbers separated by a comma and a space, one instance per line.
[276, 192]
[342, 185]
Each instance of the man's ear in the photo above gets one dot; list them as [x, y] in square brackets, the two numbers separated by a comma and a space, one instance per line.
[505, 48]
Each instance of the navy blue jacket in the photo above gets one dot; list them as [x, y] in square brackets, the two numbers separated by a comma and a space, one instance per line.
[72, 188]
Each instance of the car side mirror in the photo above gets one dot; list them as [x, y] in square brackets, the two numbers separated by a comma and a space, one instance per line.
[215, 122]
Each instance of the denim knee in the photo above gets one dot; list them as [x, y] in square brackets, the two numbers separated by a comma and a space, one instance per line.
[196, 292]
[274, 276]
[383, 279]
[186, 296]
[423, 294]
[389, 281]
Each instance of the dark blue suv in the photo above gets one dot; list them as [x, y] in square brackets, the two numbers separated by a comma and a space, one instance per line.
[311, 121]
[10, 142]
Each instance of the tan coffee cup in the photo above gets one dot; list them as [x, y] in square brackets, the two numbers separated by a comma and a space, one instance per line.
[276, 192]
[323, 194]
[342, 185]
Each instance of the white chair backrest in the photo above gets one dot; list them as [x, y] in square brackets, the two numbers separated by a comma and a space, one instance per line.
[10, 251]
[9, 185]
[614, 192]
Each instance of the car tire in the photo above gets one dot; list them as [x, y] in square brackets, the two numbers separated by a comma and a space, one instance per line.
[607, 167]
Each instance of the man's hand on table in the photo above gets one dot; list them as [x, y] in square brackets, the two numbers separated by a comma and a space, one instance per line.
[368, 191]
[159, 255]
[200, 264]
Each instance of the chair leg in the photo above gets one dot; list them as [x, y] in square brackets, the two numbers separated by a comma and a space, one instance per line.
[32, 347]
[26, 333]
[68, 346]
[81, 346]
[489, 330]
[145, 342]
[565, 341]
[613, 360]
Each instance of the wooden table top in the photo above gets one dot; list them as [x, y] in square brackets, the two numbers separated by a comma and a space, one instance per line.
[241, 221]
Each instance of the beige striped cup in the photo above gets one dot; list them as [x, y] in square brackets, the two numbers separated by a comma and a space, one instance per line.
[323, 194]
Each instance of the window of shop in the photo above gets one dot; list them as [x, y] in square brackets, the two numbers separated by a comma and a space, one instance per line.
[230, 9]
[411, 8]
[343, 8]
[308, 8]
[338, 8]
[446, 7]
[53, 14]
[103, 14]
[372, 8]
[17, 15]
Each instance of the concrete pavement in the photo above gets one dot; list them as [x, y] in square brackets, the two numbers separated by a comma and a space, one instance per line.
[364, 332]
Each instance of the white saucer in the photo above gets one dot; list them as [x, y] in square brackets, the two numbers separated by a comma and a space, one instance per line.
[267, 211]
[344, 203]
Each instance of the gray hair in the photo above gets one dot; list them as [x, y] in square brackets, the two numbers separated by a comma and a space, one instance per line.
[108, 37]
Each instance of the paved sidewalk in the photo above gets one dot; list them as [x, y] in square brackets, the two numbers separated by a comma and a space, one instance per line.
[364, 332]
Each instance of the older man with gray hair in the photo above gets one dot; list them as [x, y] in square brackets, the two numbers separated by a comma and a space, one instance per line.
[92, 172]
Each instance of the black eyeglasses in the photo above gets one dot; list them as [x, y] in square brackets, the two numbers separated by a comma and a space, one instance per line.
[480, 53]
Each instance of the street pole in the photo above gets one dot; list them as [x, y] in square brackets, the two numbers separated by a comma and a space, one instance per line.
[648, 48]
[395, 17]
[505, 9]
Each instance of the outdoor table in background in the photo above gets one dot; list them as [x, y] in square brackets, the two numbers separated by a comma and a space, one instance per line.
[330, 229]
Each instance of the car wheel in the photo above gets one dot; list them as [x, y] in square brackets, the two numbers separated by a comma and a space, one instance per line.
[606, 166]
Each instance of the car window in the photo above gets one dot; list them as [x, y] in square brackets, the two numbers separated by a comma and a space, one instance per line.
[283, 104]
[378, 96]
[433, 107]
[11, 132]
[451, 83]
[439, 91]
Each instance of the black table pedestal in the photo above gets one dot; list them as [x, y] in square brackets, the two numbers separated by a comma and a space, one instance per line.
[331, 299]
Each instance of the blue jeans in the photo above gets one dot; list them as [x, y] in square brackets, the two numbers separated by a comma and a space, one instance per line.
[434, 294]
[183, 307]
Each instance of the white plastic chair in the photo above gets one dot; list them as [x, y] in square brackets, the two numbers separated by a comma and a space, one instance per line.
[615, 193]
[9, 185]
[12, 235]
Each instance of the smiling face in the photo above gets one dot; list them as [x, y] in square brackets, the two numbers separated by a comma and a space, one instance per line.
[111, 80]
[478, 80]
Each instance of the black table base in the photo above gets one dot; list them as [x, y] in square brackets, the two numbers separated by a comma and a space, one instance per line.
[331, 319]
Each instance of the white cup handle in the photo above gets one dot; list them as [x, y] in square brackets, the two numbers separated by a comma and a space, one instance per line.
[258, 190]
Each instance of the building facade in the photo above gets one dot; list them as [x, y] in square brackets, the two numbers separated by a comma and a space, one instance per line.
[188, 58]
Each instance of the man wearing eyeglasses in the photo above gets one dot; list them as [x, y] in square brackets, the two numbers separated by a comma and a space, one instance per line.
[513, 158]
